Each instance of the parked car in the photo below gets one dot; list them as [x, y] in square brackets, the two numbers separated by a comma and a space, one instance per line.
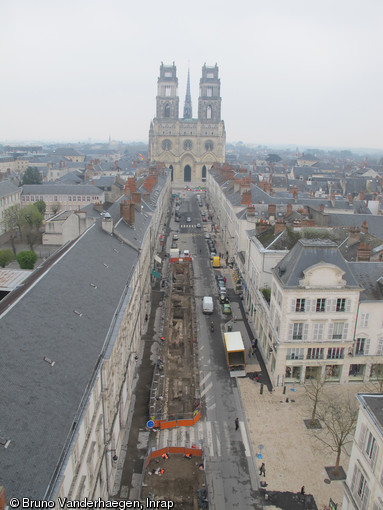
[175, 237]
[188, 219]
[204, 218]
[174, 245]
[222, 287]
[223, 299]
[202, 213]
[207, 235]
[198, 225]
[226, 309]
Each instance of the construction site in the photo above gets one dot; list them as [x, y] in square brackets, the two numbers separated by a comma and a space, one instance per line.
[176, 473]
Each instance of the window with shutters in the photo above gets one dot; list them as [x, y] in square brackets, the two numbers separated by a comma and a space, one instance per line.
[362, 491]
[371, 449]
[321, 305]
[379, 350]
[337, 330]
[298, 331]
[364, 320]
[300, 305]
[361, 347]
[341, 305]
[318, 331]
[315, 353]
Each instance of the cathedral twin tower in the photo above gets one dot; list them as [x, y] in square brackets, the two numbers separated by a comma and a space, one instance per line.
[188, 146]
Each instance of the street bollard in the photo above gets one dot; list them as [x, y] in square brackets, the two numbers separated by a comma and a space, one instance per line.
[261, 390]
[284, 390]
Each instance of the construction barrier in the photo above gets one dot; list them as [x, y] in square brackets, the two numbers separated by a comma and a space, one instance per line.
[182, 422]
[181, 450]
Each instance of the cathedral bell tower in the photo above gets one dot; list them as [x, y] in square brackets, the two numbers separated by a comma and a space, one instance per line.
[209, 101]
[167, 93]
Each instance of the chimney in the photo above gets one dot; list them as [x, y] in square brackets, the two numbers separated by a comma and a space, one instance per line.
[353, 236]
[271, 210]
[350, 198]
[246, 198]
[321, 208]
[280, 225]
[127, 212]
[136, 199]
[364, 227]
[250, 210]
[361, 195]
[363, 253]
[107, 223]
[289, 209]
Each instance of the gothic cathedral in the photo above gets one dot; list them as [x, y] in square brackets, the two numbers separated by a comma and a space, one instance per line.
[188, 146]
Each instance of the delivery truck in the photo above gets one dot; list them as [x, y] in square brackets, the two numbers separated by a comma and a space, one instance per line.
[207, 304]
[235, 354]
[216, 262]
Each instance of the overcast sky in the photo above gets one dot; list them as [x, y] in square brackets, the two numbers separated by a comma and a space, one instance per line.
[292, 71]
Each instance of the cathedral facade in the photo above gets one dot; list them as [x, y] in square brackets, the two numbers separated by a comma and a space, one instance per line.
[188, 146]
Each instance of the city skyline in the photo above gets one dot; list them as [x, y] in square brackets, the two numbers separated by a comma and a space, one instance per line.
[291, 74]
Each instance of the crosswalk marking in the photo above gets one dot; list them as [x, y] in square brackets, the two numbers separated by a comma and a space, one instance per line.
[216, 437]
[209, 439]
[205, 379]
[205, 390]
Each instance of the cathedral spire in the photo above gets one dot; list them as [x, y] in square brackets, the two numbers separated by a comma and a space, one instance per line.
[188, 104]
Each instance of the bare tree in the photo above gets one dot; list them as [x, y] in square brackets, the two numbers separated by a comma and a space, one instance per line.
[314, 389]
[339, 417]
[376, 377]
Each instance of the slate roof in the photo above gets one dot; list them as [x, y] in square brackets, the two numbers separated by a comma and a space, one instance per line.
[306, 253]
[7, 188]
[370, 277]
[373, 403]
[374, 222]
[60, 189]
[39, 402]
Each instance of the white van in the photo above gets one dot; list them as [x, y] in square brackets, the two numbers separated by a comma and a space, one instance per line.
[207, 304]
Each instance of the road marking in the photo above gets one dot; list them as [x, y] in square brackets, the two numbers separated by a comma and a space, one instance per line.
[209, 438]
[205, 379]
[218, 439]
[244, 438]
[227, 436]
[208, 387]
[213, 406]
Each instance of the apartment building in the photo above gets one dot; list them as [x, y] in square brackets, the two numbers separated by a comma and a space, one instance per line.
[59, 197]
[364, 483]
[315, 323]
[72, 342]
[9, 195]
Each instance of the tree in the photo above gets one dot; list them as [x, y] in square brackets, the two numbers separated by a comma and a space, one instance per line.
[11, 223]
[32, 175]
[31, 220]
[314, 389]
[339, 419]
[376, 376]
[26, 259]
[273, 158]
[41, 206]
[6, 257]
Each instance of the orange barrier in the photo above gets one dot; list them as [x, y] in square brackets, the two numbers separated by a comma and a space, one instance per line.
[181, 450]
[165, 424]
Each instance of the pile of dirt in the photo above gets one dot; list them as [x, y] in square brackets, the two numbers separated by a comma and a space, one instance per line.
[180, 483]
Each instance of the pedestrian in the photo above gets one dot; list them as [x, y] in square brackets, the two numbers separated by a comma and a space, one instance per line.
[236, 421]
[250, 352]
[303, 490]
[146, 317]
[262, 469]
